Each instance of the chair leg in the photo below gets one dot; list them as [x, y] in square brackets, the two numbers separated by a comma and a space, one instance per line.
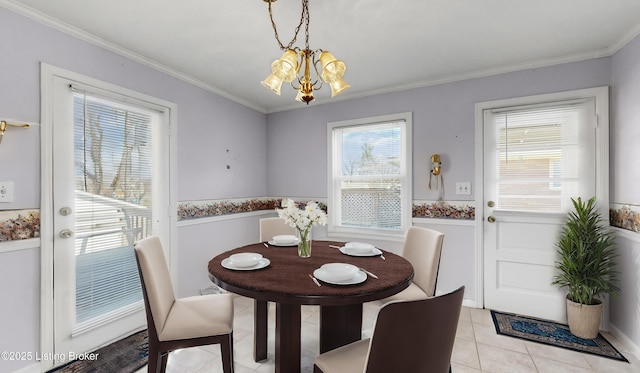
[226, 349]
[162, 361]
[153, 358]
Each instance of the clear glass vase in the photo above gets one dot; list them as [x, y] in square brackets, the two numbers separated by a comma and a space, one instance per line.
[304, 243]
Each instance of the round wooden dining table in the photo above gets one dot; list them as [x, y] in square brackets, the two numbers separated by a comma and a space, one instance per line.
[286, 282]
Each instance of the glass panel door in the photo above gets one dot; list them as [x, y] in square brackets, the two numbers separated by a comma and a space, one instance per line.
[535, 159]
[105, 169]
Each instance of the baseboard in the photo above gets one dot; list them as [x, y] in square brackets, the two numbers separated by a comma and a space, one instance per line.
[33, 368]
[465, 302]
[628, 343]
[469, 303]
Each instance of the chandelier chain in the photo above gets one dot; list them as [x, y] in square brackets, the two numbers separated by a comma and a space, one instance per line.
[303, 17]
[305, 13]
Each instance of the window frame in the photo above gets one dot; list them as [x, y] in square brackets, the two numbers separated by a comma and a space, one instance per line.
[406, 169]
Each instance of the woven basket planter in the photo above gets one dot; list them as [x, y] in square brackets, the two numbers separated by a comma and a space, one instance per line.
[584, 319]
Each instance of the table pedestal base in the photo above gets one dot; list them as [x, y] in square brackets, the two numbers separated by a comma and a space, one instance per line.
[288, 334]
[339, 325]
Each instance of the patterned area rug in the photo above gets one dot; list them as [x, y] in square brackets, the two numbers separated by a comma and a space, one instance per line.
[553, 334]
[124, 356]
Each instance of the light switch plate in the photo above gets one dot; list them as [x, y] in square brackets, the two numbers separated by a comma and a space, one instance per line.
[463, 188]
[6, 191]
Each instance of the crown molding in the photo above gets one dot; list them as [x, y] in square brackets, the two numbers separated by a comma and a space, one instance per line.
[92, 39]
[126, 53]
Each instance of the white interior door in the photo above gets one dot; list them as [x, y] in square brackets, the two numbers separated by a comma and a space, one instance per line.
[110, 164]
[536, 157]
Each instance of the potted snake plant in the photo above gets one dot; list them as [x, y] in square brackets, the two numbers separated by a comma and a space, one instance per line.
[586, 267]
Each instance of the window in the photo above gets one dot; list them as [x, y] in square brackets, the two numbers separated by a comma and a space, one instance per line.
[113, 163]
[543, 155]
[370, 175]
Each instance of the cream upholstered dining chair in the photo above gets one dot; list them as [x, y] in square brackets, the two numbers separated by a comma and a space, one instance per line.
[270, 227]
[179, 323]
[408, 336]
[423, 249]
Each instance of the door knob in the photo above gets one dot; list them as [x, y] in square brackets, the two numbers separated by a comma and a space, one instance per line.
[65, 211]
[491, 219]
[66, 233]
[491, 203]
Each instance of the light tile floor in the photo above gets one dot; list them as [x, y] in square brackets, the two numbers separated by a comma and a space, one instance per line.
[478, 349]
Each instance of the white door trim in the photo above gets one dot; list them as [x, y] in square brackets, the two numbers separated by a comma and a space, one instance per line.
[47, 234]
[601, 95]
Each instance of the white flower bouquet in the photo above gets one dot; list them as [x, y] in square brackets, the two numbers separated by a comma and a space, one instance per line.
[303, 220]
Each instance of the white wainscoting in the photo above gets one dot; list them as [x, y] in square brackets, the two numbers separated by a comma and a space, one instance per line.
[458, 261]
[15, 245]
[20, 314]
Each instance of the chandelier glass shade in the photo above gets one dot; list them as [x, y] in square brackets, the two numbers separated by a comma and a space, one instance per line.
[282, 70]
[297, 65]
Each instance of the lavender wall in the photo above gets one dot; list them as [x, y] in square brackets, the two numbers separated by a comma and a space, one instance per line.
[213, 132]
[443, 122]
[208, 124]
[625, 179]
[625, 133]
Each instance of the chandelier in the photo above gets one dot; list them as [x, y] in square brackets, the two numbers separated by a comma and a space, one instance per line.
[287, 68]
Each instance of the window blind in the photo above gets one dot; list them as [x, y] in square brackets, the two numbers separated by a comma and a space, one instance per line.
[543, 155]
[113, 169]
[369, 175]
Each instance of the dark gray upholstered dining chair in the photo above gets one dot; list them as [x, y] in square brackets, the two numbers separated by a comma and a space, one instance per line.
[179, 323]
[409, 336]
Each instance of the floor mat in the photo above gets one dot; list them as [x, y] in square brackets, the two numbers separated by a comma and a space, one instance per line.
[552, 333]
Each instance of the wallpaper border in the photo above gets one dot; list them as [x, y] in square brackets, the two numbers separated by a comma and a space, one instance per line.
[25, 223]
[19, 224]
[625, 216]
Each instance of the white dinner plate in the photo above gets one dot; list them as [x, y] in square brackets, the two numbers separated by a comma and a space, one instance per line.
[228, 264]
[359, 245]
[359, 277]
[283, 244]
[347, 251]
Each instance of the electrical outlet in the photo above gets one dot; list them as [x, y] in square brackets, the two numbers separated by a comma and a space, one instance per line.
[463, 188]
[6, 191]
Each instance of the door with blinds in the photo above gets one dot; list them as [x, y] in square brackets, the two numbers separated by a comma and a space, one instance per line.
[536, 158]
[107, 151]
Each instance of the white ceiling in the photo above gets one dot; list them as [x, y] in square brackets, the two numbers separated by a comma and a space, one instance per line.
[228, 46]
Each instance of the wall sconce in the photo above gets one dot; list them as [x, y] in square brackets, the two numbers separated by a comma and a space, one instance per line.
[4, 124]
[436, 169]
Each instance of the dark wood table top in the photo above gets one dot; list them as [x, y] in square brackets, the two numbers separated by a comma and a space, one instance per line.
[286, 279]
